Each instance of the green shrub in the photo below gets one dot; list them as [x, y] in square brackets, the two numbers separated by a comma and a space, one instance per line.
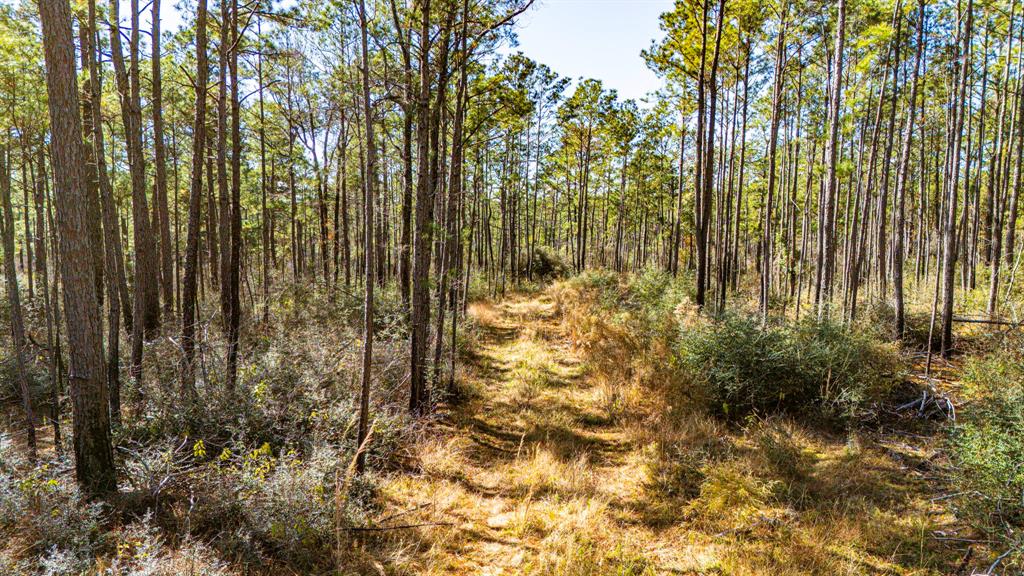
[603, 283]
[38, 381]
[548, 264]
[813, 368]
[653, 296]
[988, 442]
[879, 318]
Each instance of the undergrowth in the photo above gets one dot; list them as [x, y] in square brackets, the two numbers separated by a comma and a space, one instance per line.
[988, 445]
[813, 368]
[257, 479]
[757, 438]
[625, 326]
[747, 447]
[640, 328]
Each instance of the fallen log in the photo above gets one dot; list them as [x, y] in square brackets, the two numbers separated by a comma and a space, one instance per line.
[986, 321]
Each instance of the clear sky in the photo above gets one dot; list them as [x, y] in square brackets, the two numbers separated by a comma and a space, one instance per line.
[595, 39]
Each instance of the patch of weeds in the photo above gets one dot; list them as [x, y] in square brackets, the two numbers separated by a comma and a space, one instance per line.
[781, 453]
[577, 555]
[988, 444]
[680, 451]
[730, 497]
[42, 510]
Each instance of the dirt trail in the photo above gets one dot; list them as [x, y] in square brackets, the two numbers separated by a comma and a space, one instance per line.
[529, 464]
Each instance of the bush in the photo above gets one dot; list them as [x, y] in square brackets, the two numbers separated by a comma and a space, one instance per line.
[142, 551]
[43, 511]
[548, 264]
[813, 368]
[880, 319]
[988, 443]
[265, 509]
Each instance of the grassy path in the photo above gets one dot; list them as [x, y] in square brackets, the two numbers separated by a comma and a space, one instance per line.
[529, 470]
[530, 474]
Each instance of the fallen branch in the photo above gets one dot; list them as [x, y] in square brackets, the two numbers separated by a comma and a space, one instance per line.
[402, 513]
[948, 496]
[929, 405]
[995, 564]
[986, 321]
[956, 539]
[401, 527]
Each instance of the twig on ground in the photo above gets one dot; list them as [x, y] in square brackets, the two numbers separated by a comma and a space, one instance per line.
[403, 513]
[400, 527]
[999, 559]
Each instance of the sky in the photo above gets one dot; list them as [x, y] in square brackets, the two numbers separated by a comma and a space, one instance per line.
[599, 39]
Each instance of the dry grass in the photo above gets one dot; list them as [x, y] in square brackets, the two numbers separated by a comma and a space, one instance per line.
[574, 459]
[570, 451]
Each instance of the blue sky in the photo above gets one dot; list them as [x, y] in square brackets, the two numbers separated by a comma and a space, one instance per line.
[595, 39]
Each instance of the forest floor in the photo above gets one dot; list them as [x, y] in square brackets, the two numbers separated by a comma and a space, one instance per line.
[529, 473]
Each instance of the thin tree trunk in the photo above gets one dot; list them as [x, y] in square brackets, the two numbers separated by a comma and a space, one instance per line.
[14, 300]
[235, 268]
[901, 183]
[190, 280]
[768, 239]
[369, 200]
[827, 256]
[952, 187]
[161, 214]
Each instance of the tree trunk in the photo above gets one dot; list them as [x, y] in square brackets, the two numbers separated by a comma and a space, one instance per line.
[190, 280]
[952, 186]
[369, 199]
[767, 240]
[94, 457]
[423, 239]
[49, 306]
[235, 264]
[161, 215]
[828, 249]
[901, 183]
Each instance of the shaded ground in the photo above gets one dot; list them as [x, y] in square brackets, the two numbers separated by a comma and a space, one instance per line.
[533, 473]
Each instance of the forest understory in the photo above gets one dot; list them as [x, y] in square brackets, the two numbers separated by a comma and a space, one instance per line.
[551, 468]
[559, 462]
[574, 439]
